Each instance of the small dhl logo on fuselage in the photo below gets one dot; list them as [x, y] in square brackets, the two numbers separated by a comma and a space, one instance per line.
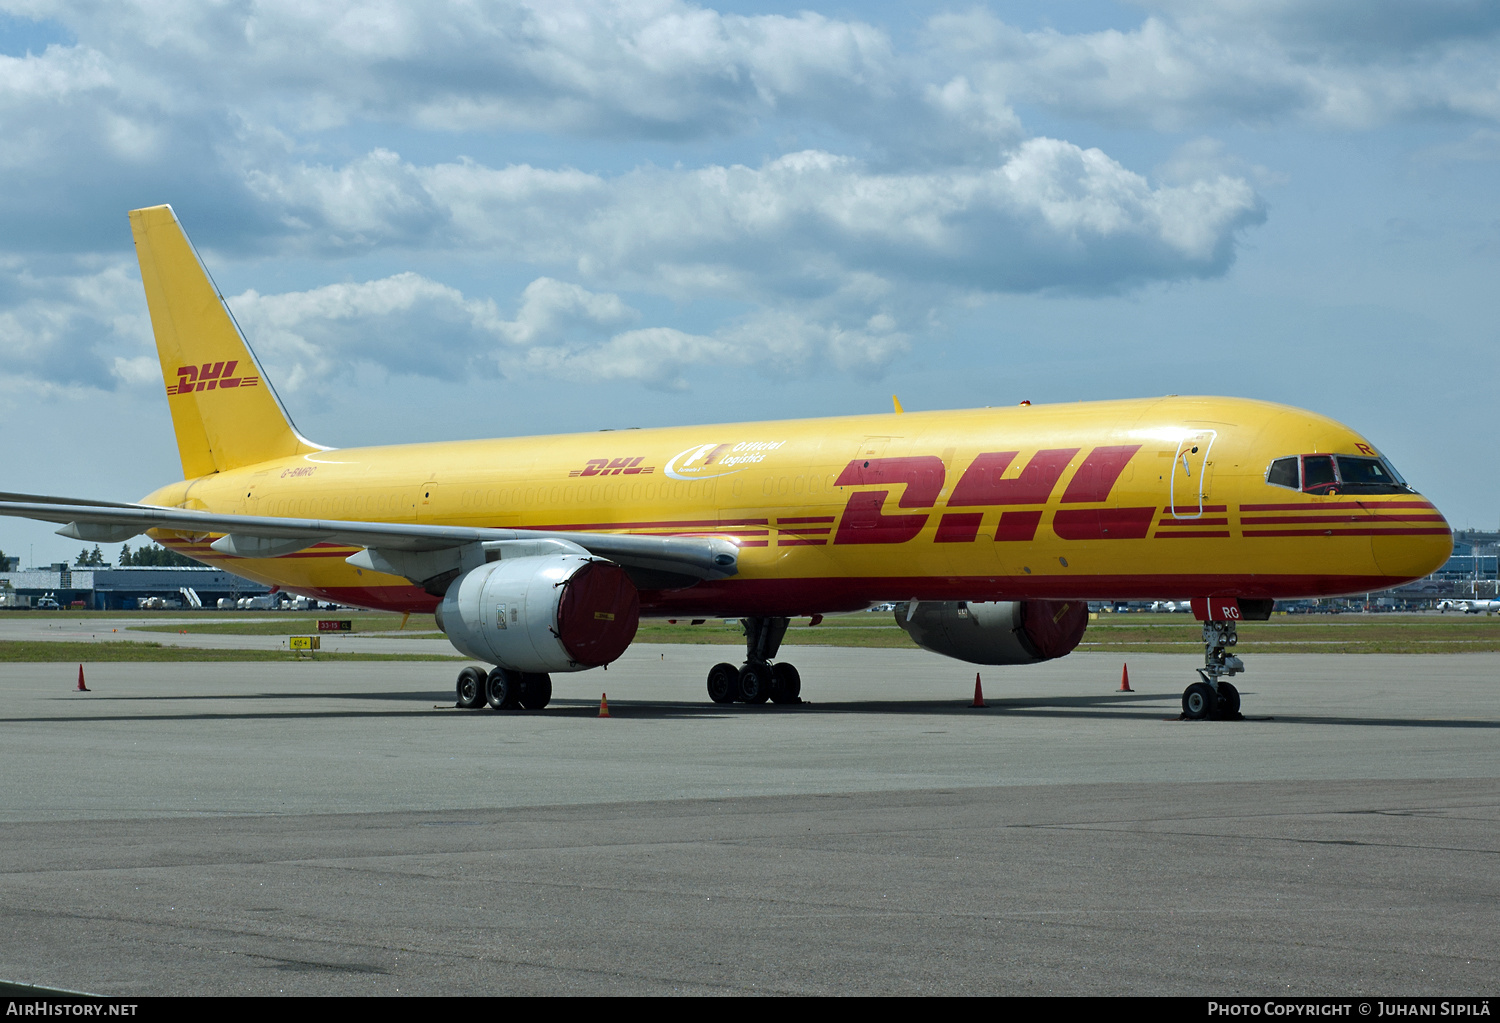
[613, 467]
[210, 376]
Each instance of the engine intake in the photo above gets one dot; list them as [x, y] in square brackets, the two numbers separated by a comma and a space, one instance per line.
[1001, 632]
[551, 613]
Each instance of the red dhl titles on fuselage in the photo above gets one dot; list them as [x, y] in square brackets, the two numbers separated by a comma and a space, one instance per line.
[1147, 518]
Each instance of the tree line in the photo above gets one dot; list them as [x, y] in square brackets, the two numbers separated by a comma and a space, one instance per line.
[149, 556]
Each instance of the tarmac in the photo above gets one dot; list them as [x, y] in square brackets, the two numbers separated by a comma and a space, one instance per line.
[339, 828]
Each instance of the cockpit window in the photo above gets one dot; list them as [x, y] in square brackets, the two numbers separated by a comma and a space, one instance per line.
[1336, 474]
[1317, 474]
[1367, 476]
[1283, 473]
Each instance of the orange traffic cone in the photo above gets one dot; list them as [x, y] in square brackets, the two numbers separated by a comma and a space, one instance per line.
[604, 705]
[81, 687]
[1124, 680]
[978, 693]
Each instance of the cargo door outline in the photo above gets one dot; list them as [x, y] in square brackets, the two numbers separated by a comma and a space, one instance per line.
[1189, 482]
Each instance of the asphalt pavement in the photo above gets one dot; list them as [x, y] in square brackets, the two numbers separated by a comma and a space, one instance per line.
[316, 828]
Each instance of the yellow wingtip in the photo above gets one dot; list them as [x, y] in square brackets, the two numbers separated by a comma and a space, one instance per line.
[897, 402]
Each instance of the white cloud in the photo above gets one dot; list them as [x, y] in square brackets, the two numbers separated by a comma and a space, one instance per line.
[630, 68]
[71, 329]
[553, 310]
[377, 199]
[1348, 63]
[405, 323]
[655, 356]
[916, 188]
[410, 324]
[1480, 146]
[670, 69]
[227, 105]
[801, 227]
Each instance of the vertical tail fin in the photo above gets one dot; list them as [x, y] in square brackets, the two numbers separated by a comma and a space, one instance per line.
[224, 410]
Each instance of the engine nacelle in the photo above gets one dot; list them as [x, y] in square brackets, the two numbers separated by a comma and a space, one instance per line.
[1002, 632]
[559, 612]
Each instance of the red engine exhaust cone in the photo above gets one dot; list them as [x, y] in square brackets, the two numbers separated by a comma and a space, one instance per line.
[81, 687]
[978, 693]
[1124, 680]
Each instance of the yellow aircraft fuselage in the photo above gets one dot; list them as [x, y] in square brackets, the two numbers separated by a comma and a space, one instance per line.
[1153, 498]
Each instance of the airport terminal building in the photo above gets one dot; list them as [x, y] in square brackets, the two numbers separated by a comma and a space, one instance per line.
[122, 589]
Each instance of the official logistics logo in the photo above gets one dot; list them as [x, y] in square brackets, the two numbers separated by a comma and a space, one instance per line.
[208, 377]
[707, 461]
[626, 466]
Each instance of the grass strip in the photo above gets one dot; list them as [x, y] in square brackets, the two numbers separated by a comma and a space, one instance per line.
[117, 650]
[1346, 634]
[419, 626]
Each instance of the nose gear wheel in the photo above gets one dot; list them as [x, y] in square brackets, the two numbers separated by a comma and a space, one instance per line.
[1214, 698]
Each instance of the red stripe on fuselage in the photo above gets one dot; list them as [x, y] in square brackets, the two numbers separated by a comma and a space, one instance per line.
[1288, 520]
[1308, 506]
[585, 527]
[1348, 532]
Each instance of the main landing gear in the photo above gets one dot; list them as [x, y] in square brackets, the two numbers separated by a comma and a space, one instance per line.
[503, 689]
[757, 680]
[1214, 698]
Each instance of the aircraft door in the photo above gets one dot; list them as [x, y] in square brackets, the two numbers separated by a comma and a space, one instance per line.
[426, 501]
[1190, 472]
[250, 503]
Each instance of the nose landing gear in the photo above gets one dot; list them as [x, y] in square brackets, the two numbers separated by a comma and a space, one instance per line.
[1213, 698]
[757, 680]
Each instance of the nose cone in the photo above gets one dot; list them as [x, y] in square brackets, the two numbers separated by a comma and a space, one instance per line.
[1414, 549]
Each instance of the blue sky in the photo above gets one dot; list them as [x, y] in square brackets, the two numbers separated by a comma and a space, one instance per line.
[490, 219]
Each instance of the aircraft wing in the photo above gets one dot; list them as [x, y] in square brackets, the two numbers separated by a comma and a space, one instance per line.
[687, 558]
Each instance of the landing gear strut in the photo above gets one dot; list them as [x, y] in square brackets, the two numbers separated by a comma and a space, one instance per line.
[1213, 697]
[757, 680]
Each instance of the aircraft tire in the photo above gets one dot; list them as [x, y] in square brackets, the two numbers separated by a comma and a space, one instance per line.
[502, 689]
[723, 683]
[1199, 701]
[536, 690]
[1229, 703]
[755, 683]
[471, 688]
[786, 684]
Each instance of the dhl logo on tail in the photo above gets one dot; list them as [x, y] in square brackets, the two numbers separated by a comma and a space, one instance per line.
[210, 376]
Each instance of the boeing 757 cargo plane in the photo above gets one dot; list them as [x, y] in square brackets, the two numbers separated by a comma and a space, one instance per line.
[990, 528]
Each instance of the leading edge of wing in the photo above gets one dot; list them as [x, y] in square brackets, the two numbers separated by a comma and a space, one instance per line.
[9, 498]
[700, 556]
